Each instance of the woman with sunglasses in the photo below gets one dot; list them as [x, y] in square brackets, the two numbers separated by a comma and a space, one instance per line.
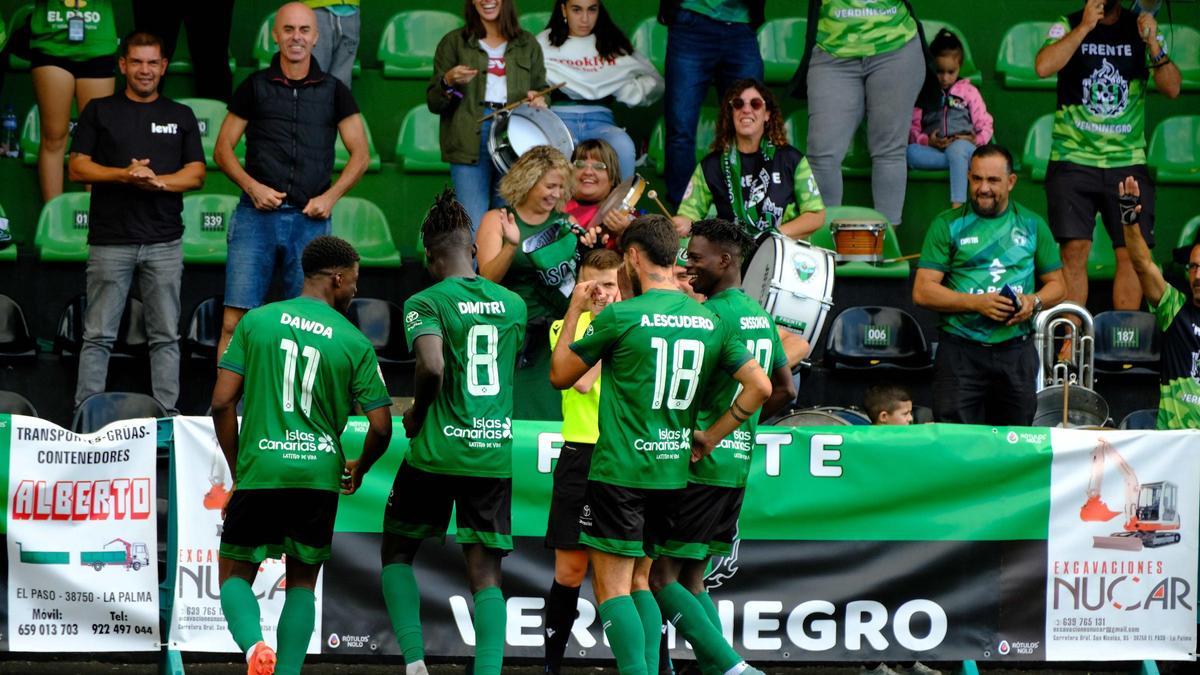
[752, 176]
[596, 63]
[596, 172]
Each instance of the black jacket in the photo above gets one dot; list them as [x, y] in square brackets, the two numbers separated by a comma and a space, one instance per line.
[667, 9]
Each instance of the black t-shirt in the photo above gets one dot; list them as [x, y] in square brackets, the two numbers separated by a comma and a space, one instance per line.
[242, 103]
[115, 130]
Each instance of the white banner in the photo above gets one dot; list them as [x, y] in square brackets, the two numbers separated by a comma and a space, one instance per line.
[202, 484]
[1121, 554]
[82, 547]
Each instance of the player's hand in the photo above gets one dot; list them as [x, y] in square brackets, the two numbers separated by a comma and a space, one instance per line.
[264, 198]
[510, 233]
[592, 237]
[460, 75]
[352, 476]
[228, 497]
[1093, 12]
[617, 220]
[1148, 29]
[532, 98]
[1129, 198]
[702, 446]
[1023, 314]
[412, 425]
[319, 207]
[581, 296]
[994, 306]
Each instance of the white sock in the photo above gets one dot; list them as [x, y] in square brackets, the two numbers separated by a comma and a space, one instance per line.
[416, 668]
[738, 669]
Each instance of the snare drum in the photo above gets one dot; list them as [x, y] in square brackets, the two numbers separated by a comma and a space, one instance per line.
[624, 197]
[514, 133]
[793, 281]
[858, 240]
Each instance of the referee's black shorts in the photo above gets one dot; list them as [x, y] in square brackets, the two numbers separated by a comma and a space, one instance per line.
[569, 495]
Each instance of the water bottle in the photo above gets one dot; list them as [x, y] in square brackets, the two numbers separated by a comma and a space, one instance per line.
[9, 139]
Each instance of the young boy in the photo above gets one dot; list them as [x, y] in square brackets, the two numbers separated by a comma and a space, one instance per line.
[889, 404]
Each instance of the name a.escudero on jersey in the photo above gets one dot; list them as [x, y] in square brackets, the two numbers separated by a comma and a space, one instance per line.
[677, 321]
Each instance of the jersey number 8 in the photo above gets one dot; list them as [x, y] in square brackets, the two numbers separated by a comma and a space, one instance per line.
[483, 377]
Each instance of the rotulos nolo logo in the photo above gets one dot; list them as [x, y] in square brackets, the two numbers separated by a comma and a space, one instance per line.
[481, 429]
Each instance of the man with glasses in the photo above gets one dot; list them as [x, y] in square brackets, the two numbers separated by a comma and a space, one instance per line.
[1177, 315]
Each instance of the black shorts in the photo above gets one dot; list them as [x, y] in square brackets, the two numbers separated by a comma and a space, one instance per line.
[626, 521]
[420, 504]
[704, 522]
[570, 492]
[1076, 193]
[267, 523]
[100, 67]
[977, 384]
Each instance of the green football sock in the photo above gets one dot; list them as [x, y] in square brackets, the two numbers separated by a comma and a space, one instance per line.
[295, 629]
[682, 609]
[241, 612]
[491, 615]
[403, 601]
[651, 615]
[623, 626]
[710, 609]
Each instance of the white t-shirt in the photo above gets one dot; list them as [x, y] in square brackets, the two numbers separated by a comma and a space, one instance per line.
[497, 81]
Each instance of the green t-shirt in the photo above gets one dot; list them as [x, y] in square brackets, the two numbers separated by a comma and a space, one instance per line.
[305, 366]
[49, 32]
[580, 412]
[542, 271]
[729, 463]
[981, 255]
[857, 28]
[468, 429]
[660, 350]
[1179, 389]
[731, 11]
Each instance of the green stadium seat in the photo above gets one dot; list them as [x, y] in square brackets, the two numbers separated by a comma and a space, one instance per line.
[1174, 154]
[1036, 155]
[209, 115]
[781, 43]
[265, 48]
[823, 238]
[650, 38]
[796, 126]
[3, 33]
[410, 39]
[1101, 262]
[20, 16]
[31, 136]
[969, 70]
[8, 254]
[706, 130]
[341, 155]
[1017, 53]
[418, 143]
[205, 225]
[63, 228]
[1183, 42]
[1187, 237]
[363, 224]
[534, 22]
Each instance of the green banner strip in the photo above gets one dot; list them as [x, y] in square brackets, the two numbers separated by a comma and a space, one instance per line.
[5, 439]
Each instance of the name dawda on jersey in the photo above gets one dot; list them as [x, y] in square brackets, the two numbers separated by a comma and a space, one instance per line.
[301, 323]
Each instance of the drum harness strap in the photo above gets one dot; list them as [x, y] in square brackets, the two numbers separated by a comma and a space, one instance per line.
[731, 166]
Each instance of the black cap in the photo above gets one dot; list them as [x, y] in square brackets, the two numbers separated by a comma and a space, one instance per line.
[1184, 253]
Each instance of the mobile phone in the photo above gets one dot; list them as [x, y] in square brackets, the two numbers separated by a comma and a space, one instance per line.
[1012, 296]
[75, 29]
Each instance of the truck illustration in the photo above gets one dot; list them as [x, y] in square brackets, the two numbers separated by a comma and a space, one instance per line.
[43, 557]
[128, 555]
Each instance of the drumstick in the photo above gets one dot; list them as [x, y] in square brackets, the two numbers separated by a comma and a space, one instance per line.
[911, 256]
[654, 195]
[514, 104]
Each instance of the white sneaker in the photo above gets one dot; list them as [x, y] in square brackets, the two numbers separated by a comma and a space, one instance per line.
[881, 669]
[919, 668]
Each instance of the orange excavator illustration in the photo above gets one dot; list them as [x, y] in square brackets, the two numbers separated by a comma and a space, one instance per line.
[1151, 515]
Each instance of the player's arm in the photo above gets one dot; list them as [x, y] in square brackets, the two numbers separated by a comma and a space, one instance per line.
[427, 381]
[1054, 56]
[756, 387]
[1150, 277]
[783, 392]
[566, 367]
[379, 435]
[584, 384]
[226, 394]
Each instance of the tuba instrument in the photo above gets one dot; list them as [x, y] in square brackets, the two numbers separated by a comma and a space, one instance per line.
[1066, 389]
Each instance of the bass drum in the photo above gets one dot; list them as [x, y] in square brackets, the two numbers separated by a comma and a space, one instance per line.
[793, 281]
[820, 416]
[514, 133]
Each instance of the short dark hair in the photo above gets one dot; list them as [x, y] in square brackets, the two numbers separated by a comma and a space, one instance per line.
[993, 150]
[884, 398]
[600, 259]
[655, 236]
[327, 253]
[140, 38]
[725, 234]
[447, 224]
[946, 42]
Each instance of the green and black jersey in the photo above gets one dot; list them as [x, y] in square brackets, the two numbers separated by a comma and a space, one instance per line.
[854, 28]
[661, 350]
[1179, 389]
[50, 29]
[305, 365]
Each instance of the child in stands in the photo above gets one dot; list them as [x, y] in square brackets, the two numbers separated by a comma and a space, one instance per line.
[889, 404]
[945, 135]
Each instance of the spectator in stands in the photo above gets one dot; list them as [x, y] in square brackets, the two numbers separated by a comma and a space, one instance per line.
[707, 41]
[1103, 56]
[596, 172]
[72, 61]
[492, 43]
[976, 261]
[585, 50]
[338, 24]
[862, 58]
[291, 114]
[943, 136]
[1178, 316]
[136, 216]
[752, 176]
[208, 26]
[888, 404]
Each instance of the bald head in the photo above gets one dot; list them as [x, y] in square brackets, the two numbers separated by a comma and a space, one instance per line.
[295, 32]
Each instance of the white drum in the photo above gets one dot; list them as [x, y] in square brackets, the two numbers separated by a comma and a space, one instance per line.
[514, 133]
[793, 281]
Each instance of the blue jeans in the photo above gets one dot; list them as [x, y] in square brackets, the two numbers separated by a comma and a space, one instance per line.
[477, 185]
[258, 242]
[700, 50]
[110, 272]
[338, 43]
[956, 158]
[591, 122]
